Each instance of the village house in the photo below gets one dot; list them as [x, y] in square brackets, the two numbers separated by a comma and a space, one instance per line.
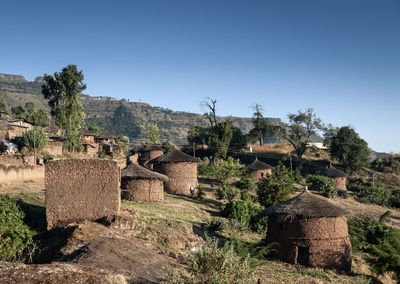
[17, 128]
[141, 184]
[259, 170]
[337, 175]
[107, 142]
[310, 230]
[90, 147]
[143, 153]
[55, 145]
[181, 170]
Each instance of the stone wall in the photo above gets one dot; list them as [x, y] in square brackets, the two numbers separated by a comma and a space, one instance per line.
[78, 190]
[260, 174]
[143, 190]
[15, 174]
[54, 148]
[341, 183]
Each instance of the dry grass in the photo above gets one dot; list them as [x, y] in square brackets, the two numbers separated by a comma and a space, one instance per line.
[286, 149]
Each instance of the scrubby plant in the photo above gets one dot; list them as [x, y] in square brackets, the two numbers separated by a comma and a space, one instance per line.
[246, 182]
[213, 265]
[298, 178]
[200, 193]
[343, 193]
[276, 188]
[376, 195]
[326, 185]
[16, 238]
[246, 196]
[215, 225]
[225, 191]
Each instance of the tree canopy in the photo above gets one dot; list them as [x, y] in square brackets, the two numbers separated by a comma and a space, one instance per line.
[35, 139]
[153, 134]
[349, 149]
[261, 126]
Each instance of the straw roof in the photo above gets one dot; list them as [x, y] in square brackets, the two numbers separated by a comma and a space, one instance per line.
[306, 205]
[139, 172]
[333, 172]
[258, 165]
[52, 128]
[174, 156]
[85, 132]
[105, 135]
[149, 148]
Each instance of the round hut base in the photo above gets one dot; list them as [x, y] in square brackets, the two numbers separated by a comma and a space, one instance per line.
[142, 190]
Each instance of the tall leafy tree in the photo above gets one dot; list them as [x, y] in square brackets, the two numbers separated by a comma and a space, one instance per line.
[261, 126]
[301, 127]
[153, 134]
[349, 149]
[62, 91]
[35, 139]
[39, 117]
[30, 107]
[219, 139]
[18, 112]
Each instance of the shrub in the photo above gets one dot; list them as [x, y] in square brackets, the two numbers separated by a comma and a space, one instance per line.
[200, 193]
[215, 225]
[298, 178]
[376, 195]
[16, 239]
[212, 264]
[246, 182]
[276, 188]
[343, 193]
[225, 191]
[246, 196]
[322, 183]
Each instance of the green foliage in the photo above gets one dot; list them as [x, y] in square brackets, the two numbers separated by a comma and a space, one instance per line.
[18, 112]
[227, 169]
[123, 143]
[300, 128]
[35, 139]
[225, 191]
[30, 107]
[343, 193]
[378, 239]
[200, 193]
[214, 265]
[387, 165]
[261, 127]
[219, 139]
[73, 142]
[376, 195]
[246, 196]
[16, 239]
[326, 185]
[167, 146]
[276, 188]
[3, 106]
[349, 149]
[215, 225]
[94, 129]
[385, 217]
[246, 182]
[247, 213]
[298, 177]
[204, 169]
[62, 91]
[153, 134]
[39, 117]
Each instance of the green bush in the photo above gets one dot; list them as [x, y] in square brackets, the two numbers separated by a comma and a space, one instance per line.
[298, 178]
[215, 225]
[322, 183]
[246, 196]
[16, 238]
[225, 191]
[276, 188]
[200, 193]
[376, 195]
[246, 182]
[343, 193]
[214, 265]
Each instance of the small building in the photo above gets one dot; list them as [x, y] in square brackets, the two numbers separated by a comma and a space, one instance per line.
[53, 129]
[21, 122]
[181, 170]
[337, 175]
[91, 149]
[86, 135]
[141, 184]
[310, 230]
[149, 152]
[105, 137]
[259, 170]
[55, 145]
[4, 115]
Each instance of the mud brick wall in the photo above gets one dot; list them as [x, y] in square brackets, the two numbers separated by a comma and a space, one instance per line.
[16, 174]
[143, 190]
[78, 190]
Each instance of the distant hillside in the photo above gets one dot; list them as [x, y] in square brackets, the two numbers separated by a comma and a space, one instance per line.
[116, 116]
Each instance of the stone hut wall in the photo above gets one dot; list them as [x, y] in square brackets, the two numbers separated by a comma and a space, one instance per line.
[318, 242]
[260, 174]
[143, 190]
[341, 183]
[134, 159]
[54, 148]
[15, 174]
[181, 176]
[77, 190]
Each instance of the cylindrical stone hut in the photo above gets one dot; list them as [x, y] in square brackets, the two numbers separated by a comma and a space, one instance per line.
[141, 184]
[181, 170]
[337, 175]
[259, 170]
[310, 230]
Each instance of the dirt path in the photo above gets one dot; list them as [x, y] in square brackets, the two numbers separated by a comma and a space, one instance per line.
[25, 187]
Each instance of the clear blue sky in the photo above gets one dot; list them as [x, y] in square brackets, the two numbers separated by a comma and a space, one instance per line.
[340, 57]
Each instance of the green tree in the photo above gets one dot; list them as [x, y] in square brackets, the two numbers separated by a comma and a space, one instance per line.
[167, 146]
[219, 139]
[18, 112]
[35, 139]
[30, 107]
[3, 106]
[300, 128]
[198, 135]
[349, 149]
[62, 91]
[123, 143]
[94, 129]
[39, 117]
[276, 188]
[261, 126]
[153, 134]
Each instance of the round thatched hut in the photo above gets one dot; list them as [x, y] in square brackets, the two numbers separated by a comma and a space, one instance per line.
[259, 170]
[310, 230]
[141, 184]
[181, 170]
[339, 176]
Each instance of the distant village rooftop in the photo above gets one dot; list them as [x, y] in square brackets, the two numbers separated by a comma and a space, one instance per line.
[175, 156]
[139, 172]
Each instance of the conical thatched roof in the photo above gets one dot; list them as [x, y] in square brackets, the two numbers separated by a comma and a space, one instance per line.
[85, 132]
[139, 172]
[105, 135]
[333, 172]
[175, 156]
[258, 165]
[305, 205]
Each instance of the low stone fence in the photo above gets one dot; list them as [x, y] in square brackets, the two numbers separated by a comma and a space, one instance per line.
[14, 174]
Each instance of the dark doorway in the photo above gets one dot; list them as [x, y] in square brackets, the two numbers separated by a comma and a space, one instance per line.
[303, 256]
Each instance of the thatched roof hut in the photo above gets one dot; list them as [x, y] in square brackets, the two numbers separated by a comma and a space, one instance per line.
[181, 170]
[106, 136]
[339, 176]
[259, 170]
[310, 230]
[141, 184]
